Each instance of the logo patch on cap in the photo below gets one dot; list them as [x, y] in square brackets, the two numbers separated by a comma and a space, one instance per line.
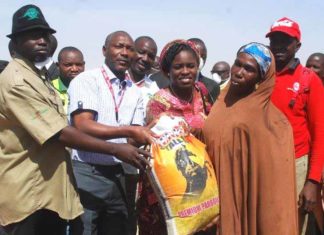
[286, 23]
[31, 14]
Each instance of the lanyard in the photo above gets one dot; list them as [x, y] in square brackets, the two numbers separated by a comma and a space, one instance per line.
[103, 71]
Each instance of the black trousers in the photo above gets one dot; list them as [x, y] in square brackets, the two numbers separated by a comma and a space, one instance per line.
[102, 194]
[40, 222]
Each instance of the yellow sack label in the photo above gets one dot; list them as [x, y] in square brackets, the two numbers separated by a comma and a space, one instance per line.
[184, 181]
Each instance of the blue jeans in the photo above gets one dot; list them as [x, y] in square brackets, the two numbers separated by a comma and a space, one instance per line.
[102, 194]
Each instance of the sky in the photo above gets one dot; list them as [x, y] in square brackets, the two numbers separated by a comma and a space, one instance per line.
[224, 26]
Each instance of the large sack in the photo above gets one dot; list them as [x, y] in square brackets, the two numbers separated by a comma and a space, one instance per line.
[182, 177]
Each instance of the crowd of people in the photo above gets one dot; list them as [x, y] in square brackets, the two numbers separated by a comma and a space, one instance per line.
[72, 162]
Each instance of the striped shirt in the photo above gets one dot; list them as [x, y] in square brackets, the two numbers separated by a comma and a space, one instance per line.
[89, 91]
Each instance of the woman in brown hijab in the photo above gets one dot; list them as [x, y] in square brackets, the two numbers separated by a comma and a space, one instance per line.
[251, 145]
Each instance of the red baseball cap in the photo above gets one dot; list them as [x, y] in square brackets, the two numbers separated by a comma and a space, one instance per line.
[287, 26]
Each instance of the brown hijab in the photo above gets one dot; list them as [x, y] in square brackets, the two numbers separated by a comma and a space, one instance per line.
[251, 145]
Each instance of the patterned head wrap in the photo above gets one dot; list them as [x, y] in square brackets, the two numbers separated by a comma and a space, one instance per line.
[173, 47]
[260, 53]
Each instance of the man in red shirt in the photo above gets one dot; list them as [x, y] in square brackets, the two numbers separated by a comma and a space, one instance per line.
[298, 93]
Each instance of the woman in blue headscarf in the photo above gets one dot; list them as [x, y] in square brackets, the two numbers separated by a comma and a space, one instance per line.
[251, 145]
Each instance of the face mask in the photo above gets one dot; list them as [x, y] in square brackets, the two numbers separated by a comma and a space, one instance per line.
[217, 78]
[201, 64]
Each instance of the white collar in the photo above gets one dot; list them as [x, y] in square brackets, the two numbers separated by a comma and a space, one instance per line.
[112, 76]
[46, 63]
[146, 79]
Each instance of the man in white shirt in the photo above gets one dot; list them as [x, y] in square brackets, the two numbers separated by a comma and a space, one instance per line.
[142, 62]
[105, 103]
[145, 53]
